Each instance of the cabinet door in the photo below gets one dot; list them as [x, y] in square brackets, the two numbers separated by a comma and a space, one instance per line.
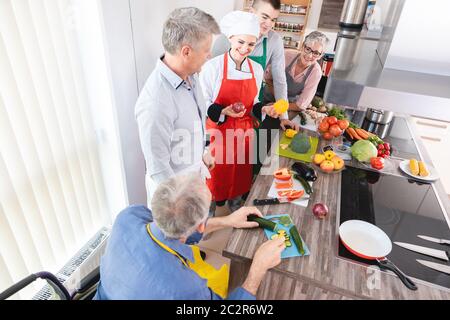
[435, 136]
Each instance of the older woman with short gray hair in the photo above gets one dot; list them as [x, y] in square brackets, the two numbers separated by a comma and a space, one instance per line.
[303, 72]
[171, 103]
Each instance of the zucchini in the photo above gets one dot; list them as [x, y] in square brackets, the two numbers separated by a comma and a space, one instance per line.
[304, 183]
[263, 223]
[297, 240]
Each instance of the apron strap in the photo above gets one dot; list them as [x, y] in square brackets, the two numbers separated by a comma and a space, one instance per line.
[225, 66]
[162, 245]
[294, 61]
[251, 68]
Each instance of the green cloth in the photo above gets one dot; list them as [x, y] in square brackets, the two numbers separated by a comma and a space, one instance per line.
[262, 60]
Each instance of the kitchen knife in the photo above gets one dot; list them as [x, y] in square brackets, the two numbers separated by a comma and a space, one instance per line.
[264, 202]
[435, 266]
[440, 254]
[440, 241]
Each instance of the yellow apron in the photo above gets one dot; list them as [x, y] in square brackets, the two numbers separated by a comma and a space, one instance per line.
[217, 280]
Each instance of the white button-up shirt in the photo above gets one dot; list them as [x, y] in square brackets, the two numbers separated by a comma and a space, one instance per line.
[171, 115]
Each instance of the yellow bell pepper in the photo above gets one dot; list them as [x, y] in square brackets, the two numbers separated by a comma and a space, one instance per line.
[281, 106]
[290, 133]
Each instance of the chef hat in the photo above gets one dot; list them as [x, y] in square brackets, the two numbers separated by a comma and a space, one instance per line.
[240, 22]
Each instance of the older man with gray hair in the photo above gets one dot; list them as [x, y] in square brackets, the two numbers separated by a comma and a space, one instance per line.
[147, 258]
[171, 111]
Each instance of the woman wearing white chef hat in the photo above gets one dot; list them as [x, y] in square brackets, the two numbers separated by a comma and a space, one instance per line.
[231, 83]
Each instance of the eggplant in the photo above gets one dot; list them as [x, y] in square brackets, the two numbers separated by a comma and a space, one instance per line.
[304, 171]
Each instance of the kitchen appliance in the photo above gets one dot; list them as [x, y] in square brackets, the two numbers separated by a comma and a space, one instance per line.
[436, 240]
[353, 13]
[435, 266]
[403, 209]
[396, 133]
[440, 254]
[379, 116]
[367, 241]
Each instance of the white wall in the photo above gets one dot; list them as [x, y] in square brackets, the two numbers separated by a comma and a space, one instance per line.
[88, 24]
[118, 39]
[421, 41]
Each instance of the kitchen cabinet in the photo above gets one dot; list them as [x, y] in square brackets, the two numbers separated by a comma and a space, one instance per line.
[291, 23]
[435, 136]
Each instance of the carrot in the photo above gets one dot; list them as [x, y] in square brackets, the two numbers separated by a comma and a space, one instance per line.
[362, 134]
[370, 134]
[354, 134]
[349, 133]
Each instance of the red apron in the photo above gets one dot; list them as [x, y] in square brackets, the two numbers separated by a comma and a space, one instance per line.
[232, 175]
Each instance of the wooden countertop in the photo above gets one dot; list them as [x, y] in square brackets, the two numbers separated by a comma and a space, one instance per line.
[323, 269]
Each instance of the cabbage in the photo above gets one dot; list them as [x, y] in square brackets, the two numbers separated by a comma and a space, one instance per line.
[363, 150]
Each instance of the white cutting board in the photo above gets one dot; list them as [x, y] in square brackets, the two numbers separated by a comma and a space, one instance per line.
[310, 123]
[303, 201]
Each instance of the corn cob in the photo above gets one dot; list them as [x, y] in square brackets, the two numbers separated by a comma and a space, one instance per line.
[414, 167]
[423, 172]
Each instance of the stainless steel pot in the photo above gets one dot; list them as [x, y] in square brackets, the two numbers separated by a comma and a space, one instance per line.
[381, 130]
[353, 13]
[379, 116]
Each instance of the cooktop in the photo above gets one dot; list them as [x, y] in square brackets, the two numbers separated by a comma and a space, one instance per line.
[396, 132]
[403, 209]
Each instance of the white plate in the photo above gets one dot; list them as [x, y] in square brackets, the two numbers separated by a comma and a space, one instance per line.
[404, 166]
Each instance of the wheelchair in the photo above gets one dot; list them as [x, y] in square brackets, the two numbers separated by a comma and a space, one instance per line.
[85, 290]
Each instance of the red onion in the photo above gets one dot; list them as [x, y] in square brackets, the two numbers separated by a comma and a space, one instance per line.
[320, 210]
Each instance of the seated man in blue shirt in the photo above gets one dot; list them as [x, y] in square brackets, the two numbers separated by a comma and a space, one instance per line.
[147, 256]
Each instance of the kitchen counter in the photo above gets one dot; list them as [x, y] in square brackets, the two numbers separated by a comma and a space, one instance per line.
[323, 274]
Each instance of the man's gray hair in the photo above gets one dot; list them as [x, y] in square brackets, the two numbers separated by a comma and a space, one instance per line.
[317, 36]
[180, 204]
[187, 26]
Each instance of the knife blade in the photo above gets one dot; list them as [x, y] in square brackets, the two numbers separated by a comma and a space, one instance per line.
[264, 202]
[440, 254]
[435, 266]
[436, 240]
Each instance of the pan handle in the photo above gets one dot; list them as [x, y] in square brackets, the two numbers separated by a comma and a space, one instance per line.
[386, 264]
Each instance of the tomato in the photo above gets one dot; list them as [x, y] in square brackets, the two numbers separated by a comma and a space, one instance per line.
[332, 120]
[327, 136]
[343, 124]
[377, 163]
[323, 126]
[335, 130]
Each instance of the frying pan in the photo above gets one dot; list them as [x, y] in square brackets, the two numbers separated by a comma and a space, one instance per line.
[367, 241]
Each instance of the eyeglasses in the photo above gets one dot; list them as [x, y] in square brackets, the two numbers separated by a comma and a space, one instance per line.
[308, 50]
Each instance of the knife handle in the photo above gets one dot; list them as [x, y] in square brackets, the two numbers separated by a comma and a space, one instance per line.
[264, 202]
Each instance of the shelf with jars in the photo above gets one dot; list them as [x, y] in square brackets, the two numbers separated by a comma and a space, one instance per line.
[292, 20]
